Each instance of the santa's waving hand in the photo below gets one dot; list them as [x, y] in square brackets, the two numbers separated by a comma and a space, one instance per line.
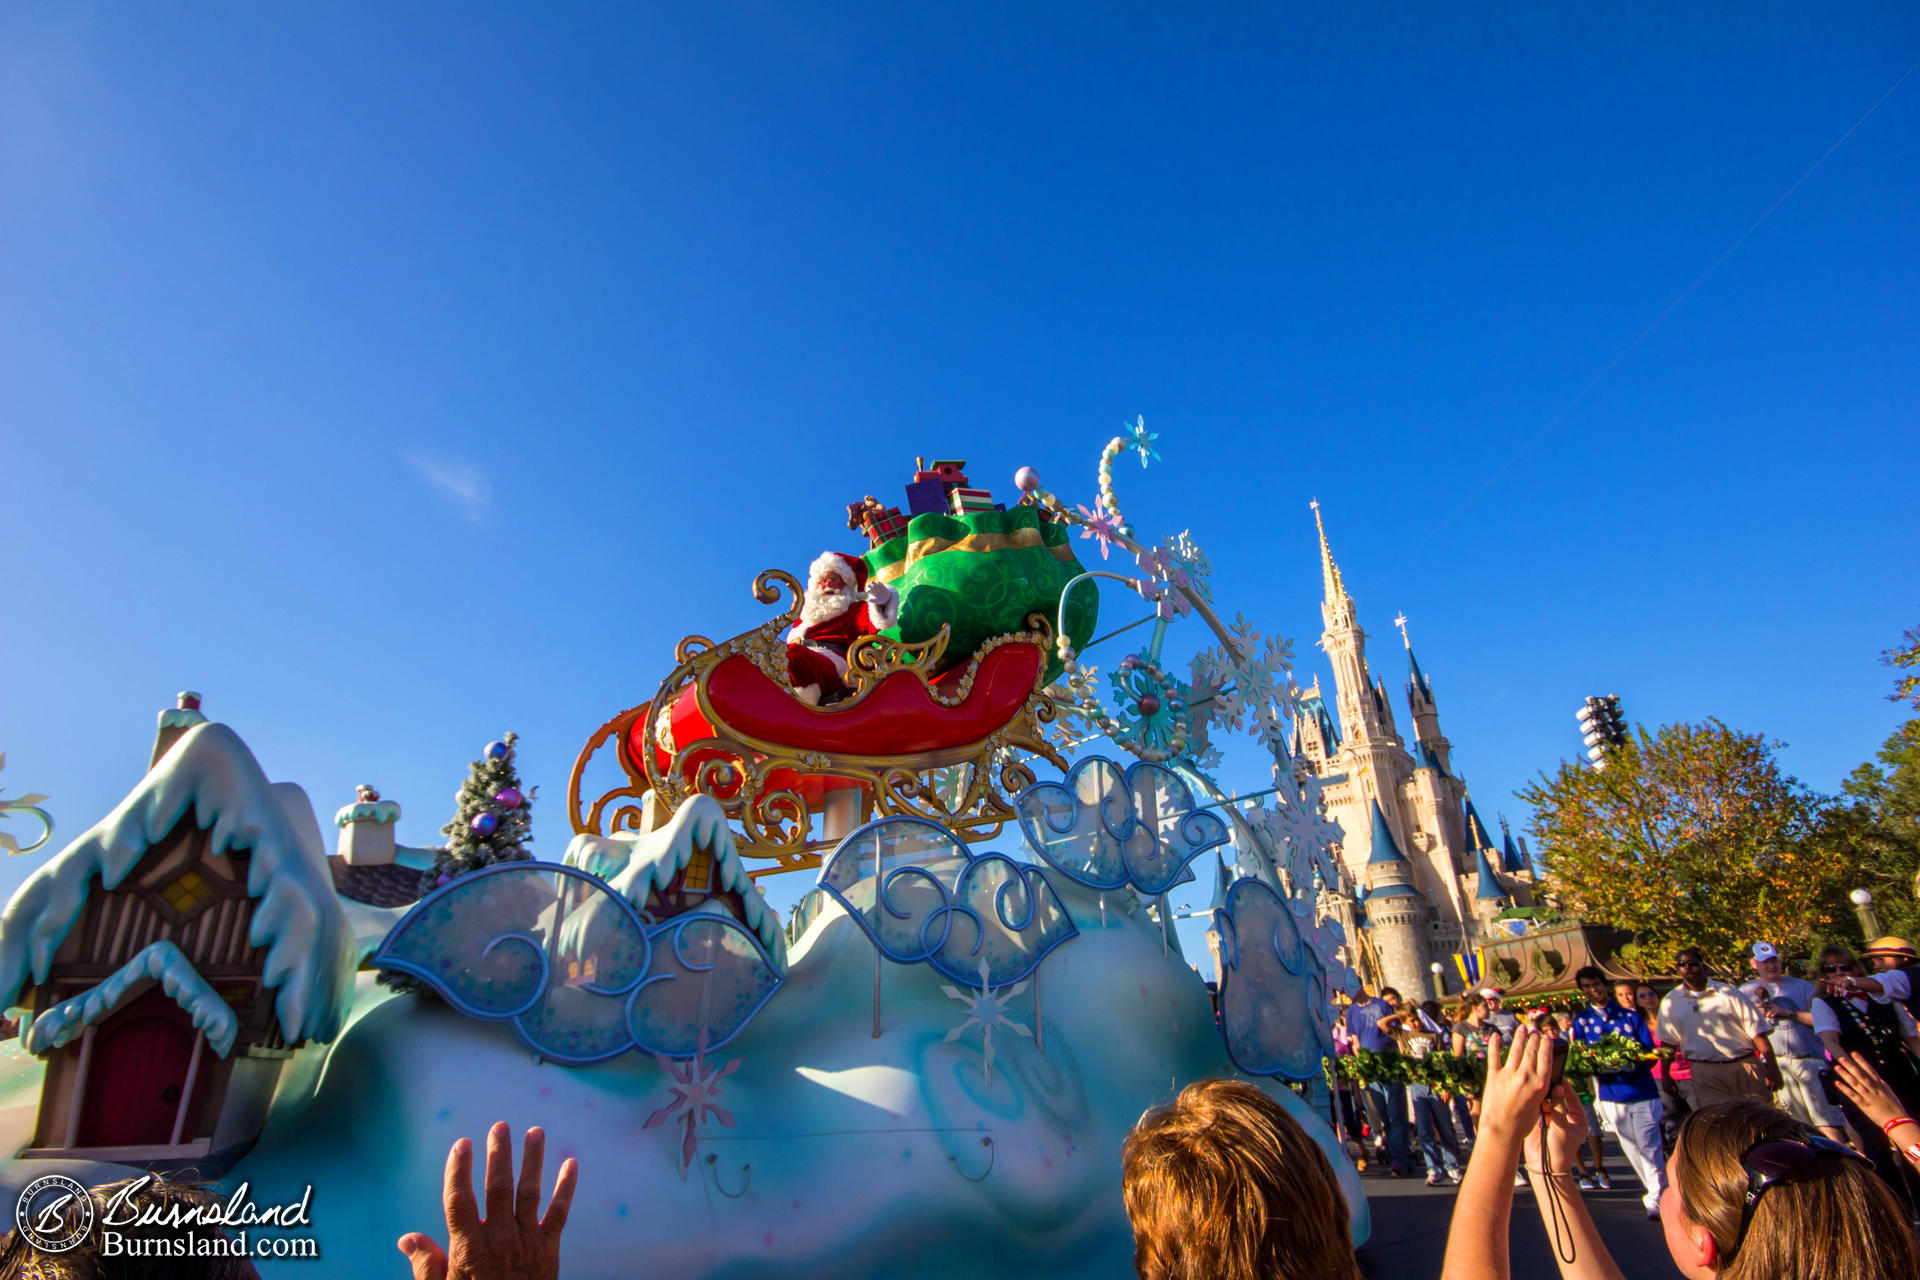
[840, 606]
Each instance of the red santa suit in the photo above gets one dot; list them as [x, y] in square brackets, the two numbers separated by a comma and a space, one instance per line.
[831, 620]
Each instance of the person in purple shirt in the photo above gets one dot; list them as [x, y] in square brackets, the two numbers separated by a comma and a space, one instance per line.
[1370, 1023]
[1628, 1101]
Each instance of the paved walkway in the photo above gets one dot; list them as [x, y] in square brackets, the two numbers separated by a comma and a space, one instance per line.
[1410, 1221]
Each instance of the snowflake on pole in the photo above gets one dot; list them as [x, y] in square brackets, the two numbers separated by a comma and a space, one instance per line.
[986, 1009]
[696, 1083]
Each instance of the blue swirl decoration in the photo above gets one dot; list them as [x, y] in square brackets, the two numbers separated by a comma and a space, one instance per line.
[579, 974]
[924, 897]
[1107, 828]
[1274, 1010]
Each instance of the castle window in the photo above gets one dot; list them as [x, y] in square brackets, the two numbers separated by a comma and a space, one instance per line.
[187, 893]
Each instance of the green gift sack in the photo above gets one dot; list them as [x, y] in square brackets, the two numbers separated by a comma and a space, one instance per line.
[982, 574]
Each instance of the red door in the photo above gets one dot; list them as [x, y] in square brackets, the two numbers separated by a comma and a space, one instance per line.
[136, 1076]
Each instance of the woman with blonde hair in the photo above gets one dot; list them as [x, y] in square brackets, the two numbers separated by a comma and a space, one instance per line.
[1222, 1184]
[1752, 1193]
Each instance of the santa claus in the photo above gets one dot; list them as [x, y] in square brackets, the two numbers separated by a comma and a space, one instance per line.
[840, 606]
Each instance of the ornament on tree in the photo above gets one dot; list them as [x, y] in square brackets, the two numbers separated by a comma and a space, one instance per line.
[492, 824]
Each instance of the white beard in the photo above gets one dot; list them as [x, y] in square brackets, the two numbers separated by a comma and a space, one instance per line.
[821, 603]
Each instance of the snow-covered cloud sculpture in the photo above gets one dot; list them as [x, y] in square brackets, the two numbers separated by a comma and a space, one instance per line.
[1107, 828]
[1274, 1010]
[924, 897]
[581, 977]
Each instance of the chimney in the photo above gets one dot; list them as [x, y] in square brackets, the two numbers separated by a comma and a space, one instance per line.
[174, 723]
[367, 829]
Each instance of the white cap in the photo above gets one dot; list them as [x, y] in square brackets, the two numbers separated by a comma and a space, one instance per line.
[1765, 951]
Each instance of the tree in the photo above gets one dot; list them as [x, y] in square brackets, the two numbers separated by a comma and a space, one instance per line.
[492, 824]
[1880, 827]
[1690, 837]
[1907, 655]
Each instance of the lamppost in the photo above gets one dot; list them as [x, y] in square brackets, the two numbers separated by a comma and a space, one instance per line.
[1869, 918]
[1439, 983]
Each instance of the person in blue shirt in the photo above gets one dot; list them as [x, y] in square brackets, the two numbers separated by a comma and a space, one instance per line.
[1628, 1101]
[1372, 1023]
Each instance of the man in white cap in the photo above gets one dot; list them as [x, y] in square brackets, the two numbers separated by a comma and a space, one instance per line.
[1796, 1048]
[1497, 1018]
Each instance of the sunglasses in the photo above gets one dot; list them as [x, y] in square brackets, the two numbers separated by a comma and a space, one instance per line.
[1848, 967]
[1782, 1160]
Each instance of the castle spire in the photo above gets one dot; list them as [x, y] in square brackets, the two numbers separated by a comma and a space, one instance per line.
[1329, 571]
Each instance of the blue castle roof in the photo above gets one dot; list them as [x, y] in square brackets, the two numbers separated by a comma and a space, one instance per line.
[1417, 679]
[1477, 837]
[1425, 759]
[1489, 890]
[1512, 860]
[1385, 851]
[1223, 878]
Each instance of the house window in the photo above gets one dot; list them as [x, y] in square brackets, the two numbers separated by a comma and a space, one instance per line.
[187, 893]
[699, 872]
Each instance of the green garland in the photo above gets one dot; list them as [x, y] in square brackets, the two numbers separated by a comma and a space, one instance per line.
[1467, 1073]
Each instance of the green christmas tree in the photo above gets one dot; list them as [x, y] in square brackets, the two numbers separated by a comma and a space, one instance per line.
[494, 820]
[492, 824]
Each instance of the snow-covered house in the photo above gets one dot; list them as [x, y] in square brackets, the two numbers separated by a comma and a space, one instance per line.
[174, 956]
[687, 865]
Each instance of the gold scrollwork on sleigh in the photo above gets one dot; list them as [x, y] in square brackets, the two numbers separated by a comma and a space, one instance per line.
[909, 740]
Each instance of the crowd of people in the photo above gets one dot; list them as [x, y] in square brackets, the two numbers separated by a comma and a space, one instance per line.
[1774, 1038]
[1771, 1126]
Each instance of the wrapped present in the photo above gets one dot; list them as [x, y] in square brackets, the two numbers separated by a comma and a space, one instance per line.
[878, 522]
[970, 500]
[928, 497]
[883, 524]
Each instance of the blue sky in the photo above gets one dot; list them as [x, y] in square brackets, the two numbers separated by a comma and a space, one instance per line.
[399, 375]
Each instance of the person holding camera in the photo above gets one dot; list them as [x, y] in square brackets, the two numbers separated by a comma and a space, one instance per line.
[1855, 1014]
[1807, 1093]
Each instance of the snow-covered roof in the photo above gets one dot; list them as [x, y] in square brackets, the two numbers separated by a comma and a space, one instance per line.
[636, 863]
[211, 774]
[166, 964]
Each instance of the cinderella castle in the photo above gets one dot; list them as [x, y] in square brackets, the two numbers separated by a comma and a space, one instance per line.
[1422, 879]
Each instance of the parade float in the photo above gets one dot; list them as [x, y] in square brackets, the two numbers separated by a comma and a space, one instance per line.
[927, 1068]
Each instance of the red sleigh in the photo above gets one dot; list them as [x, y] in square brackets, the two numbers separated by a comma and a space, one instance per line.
[795, 777]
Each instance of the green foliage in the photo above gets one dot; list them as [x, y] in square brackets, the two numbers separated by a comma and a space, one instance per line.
[1691, 837]
[1879, 826]
[1467, 1073]
[1906, 655]
[467, 850]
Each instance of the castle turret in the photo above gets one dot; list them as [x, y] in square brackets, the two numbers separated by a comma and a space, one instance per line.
[1315, 735]
[1396, 914]
[1363, 706]
[1518, 867]
[1429, 743]
[1489, 895]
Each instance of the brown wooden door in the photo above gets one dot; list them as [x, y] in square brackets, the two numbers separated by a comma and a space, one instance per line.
[136, 1076]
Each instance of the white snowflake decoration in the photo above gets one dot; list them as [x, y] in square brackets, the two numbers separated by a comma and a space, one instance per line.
[1186, 555]
[986, 1009]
